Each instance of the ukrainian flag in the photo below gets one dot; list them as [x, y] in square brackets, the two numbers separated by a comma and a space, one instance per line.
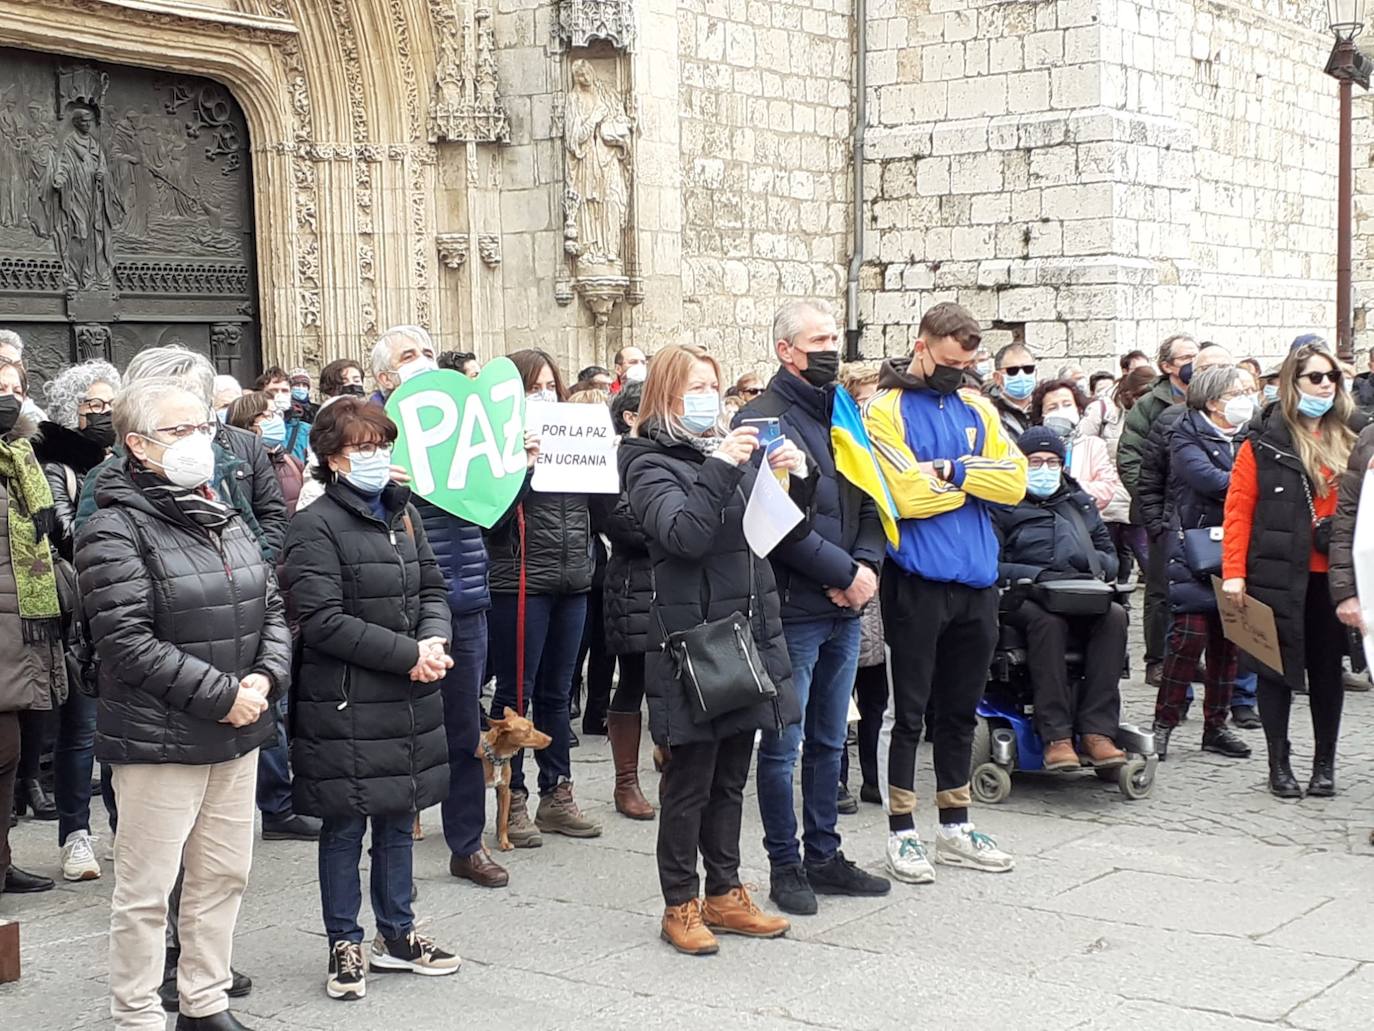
[854, 459]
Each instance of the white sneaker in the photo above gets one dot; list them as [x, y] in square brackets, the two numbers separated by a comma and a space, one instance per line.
[972, 849]
[78, 858]
[906, 858]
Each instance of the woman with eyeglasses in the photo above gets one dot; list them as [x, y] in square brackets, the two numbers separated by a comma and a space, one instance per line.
[369, 744]
[191, 645]
[1202, 450]
[1278, 534]
[255, 413]
[77, 438]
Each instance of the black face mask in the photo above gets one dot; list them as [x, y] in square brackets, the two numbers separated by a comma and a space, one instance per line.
[10, 406]
[822, 367]
[944, 379]
[352, 390]
[99, 429]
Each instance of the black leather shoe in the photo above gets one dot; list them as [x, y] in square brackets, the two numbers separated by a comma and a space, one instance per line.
[789, 890]
[1282, 783]
[222, 1021]
[239, 986]
[29, 795]
[21, 882]
[1245, 717]
[1224, 741]
[845, 802]
[1323, 782]
[839, 876]
[291, 828]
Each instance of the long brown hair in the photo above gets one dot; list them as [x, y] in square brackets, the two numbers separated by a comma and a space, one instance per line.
[1330, 446]
[1131, 386]
[667, 382]
[530, 361]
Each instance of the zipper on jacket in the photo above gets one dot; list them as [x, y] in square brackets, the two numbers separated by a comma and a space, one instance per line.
[343, 690]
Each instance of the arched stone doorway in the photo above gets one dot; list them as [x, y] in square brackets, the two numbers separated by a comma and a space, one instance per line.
[125, 213]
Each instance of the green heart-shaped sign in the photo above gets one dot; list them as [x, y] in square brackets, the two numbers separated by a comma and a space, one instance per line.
[463, 440]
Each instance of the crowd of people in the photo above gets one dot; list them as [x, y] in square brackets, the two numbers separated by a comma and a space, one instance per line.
[216, 598]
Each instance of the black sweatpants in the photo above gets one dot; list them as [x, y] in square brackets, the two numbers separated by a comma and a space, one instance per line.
[940, 638]
[1324, 642]
[870, 696]
[701, 802]
[1157, 613]
[1062, 708]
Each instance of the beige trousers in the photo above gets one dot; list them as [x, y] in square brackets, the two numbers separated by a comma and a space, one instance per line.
[169, 816]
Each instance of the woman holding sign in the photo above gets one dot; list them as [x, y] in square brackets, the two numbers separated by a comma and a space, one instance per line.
[688, 484]
[1278, 530]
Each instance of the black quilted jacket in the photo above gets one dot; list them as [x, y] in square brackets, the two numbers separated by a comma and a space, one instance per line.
[177, 616]
[628, 587]
[558, 543]
[367, 739]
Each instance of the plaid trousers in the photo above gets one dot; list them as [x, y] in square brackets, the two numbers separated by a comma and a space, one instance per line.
[1189, 634]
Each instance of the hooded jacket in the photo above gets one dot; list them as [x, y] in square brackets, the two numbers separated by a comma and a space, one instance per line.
[842, 522]
[178, 616]
[946, 529]
[67, 456]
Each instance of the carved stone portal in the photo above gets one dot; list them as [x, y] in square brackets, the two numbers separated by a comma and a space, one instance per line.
[466, 105]
[583, 22]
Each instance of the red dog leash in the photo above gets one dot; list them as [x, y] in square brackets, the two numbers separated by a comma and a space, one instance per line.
[520, 619]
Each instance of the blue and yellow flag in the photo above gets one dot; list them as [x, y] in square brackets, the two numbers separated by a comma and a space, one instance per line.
[854, 459]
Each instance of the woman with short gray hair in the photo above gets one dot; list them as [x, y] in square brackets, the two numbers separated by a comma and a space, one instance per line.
[191, 647]
[1202, 450]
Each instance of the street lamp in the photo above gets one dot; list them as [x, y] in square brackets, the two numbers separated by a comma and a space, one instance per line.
[1347, 66]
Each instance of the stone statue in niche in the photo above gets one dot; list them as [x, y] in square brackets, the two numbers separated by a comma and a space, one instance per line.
[13, 202]
[597, 135]
[84, 208]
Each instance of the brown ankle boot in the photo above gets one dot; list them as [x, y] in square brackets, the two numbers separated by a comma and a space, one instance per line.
[1059, 755]
[623, 730]
[735, 913]
[683, 930]
[1102, 751]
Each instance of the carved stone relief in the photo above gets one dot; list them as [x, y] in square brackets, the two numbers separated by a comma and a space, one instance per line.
[466, 104]
[583, 22]
[453, 249]
[489, 249]
[93, 341]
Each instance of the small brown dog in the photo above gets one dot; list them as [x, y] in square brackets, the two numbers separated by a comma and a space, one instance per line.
[496, 747]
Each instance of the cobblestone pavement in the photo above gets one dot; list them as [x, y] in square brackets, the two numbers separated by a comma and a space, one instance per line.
[1208, 907]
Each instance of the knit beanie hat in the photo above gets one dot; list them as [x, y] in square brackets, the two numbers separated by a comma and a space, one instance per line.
[1041, 438]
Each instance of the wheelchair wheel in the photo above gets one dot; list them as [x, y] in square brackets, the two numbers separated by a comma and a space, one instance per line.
[991, 783]
[1135, 779]
[981, 752]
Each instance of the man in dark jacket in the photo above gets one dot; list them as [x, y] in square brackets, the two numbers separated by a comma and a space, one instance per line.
[1175, 354]
[1011, 389]
[824, 580]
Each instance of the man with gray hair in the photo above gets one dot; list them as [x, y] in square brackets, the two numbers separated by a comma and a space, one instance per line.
[11, 345]
[400, 353]
[824, 579]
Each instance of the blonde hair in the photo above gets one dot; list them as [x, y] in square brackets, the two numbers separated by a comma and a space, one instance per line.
[590, 397]
[854, 375]
[1329, 448]
[667, 382]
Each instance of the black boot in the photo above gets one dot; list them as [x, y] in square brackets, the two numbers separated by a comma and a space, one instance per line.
[1323, 782]
[1282, 783]
[29, 794]
[222, 1021]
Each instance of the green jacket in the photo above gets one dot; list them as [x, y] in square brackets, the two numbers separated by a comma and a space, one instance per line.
[1131, 450]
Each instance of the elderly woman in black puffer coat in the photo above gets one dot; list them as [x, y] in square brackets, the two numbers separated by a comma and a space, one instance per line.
[367, 712]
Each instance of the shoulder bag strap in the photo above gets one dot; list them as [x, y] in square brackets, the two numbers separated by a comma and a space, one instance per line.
[1085, 538]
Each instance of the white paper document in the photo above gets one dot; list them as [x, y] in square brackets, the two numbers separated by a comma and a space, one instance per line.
[1362, 556]
[770, 514]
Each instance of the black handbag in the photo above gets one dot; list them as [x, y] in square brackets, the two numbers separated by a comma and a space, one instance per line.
[1085, 597]
[1321, 528]
[718, 663]
[1202, 550]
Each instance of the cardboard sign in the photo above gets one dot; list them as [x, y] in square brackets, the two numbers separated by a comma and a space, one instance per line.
[576, 449]
[1251, 627]
[463, 440]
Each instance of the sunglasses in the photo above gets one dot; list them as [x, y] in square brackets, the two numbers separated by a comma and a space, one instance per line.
[1317, 378]
[752, 391]
[1012, 370]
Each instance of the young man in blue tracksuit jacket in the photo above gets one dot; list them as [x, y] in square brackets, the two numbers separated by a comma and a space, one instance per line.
[824, 579]
[946, 460]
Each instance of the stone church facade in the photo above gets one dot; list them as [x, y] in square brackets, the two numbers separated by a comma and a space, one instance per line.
[275, 181]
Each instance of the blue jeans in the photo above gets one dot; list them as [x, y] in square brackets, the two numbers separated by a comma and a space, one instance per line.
[341, 847]
[553, 634]
[73, 759]
[825, 657]
[1244, 693]
[274, 770]
[465, 809]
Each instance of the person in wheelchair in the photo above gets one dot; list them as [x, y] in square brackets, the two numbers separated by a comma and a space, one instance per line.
[1052, 538]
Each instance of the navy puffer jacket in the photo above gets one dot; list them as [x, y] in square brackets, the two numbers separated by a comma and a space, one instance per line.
[1200, 461]
[461, 552]
[1039, 535]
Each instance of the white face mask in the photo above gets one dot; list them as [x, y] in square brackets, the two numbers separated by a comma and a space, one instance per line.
[1239, 410]
[635, 374]
[414, 367]
[189, 463]
[281, 402]
[1069, 415]
[550, 395]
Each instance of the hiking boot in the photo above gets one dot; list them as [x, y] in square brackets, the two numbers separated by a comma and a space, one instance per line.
[1282, 783]
[414, 954]
[1102, 751]
[971, 849]
[523, 833]
[845, 803]
[790, 891]
[1245, 717]
[558, 814]
[347, 979]
[735, 913]
[683, 930]
[1061, 756]
[907, 860]
[78, 858]
[839, 876]
[623, 730]
[1223, 741]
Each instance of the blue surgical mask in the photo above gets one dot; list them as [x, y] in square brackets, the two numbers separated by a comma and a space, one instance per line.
[1271, 393]
[1042, 482]
[370, 475]
[700, 412]
[273, 430]
[1020, 386]
[984, 369]
[301, 394]
[1314, 407]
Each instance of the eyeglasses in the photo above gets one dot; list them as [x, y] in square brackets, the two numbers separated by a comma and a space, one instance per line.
[1316, 378]
[94, 405]
[365, 450]
[751, 391]
[1012, 370]
[1045, 463]
[182, 430]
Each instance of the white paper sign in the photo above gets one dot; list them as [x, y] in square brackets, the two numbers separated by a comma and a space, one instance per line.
[576, 448]
[770, 514]
[1362, 557]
